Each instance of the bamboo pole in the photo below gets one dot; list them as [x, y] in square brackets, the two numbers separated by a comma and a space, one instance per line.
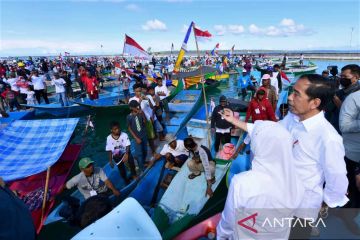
[45, 193]
[202, 80]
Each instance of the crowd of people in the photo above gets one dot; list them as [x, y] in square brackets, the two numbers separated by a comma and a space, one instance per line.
[306, 152]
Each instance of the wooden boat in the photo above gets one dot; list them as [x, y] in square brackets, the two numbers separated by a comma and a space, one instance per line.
[115, 100]
[209, 84]
[126, 221]
[21, 115]
[182, 107]
[58, 175]
[299, 70]
[184, 203]
[180, 110]
[55, 109]
[205, 229]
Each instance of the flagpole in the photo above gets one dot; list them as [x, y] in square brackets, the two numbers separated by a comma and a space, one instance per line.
[45, 194]
[203, 87]
[124, 45]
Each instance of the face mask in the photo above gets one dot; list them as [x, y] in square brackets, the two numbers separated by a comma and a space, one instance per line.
[345, 82]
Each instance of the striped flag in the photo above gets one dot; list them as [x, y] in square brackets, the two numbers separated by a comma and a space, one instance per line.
[132, 48]
[202, 35]
[231, 52]
[214, 51]
[183, 49]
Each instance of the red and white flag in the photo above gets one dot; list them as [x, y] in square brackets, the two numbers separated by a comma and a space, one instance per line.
[202, 35]
[131, 47]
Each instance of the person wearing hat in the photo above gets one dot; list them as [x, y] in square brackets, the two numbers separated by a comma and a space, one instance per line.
[260, 108]
[270, 90]
[245, 83]
[174, 152]
[92, 180]
[219, 126]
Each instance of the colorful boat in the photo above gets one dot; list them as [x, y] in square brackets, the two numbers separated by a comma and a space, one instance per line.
[299, 70]
[182, 107]
[126, 221]
[48, 149]
[184, 203]
[115, 99]
[55, 109]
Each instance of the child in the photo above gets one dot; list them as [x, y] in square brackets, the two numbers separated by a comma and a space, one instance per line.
[136, 125]
[162, 92]
[154, 103]
[60, 89]
[118, 147]
[30, 96]
[125, 81]
[10, 97]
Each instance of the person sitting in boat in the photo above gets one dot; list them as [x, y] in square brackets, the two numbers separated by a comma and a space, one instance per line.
[174, 152]
[270, 90]
[220, 127]
[125, 81]
[201, 161]
[136, 126]
[271, 188]
[91, 85]
[118, 148]
[260, 108]
[92, 180]
[245, 83]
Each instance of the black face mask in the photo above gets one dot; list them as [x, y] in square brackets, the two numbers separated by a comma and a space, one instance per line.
[345, 82]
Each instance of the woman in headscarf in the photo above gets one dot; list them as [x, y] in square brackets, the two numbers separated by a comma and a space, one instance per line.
[269, 192]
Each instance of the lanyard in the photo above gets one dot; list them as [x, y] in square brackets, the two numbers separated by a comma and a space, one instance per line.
[93, 181]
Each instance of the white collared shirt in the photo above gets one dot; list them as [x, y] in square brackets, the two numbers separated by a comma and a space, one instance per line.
[179, 150]
[319, 157]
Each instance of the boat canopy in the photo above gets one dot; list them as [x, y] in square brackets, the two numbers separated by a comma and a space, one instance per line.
[28, 147]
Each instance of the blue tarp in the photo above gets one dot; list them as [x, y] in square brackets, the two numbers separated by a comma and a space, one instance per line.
[28, 147]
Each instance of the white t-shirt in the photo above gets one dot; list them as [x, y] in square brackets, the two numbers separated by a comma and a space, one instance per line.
[180, 149]
[170, 68]
[135, 98]
[12, 83]
[145, 107]
[30, 95]
[38, 82]
[115, 145]
[163, 89]
[59, 85]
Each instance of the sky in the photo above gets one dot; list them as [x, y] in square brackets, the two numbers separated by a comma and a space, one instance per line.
[50, 27]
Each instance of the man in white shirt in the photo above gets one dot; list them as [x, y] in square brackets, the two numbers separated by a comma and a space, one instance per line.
[39, 86]
[317, 147]
[174, 152]
[59, 84]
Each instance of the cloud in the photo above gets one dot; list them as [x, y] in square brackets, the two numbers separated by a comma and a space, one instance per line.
[132, 7]
[253, 29]
[220, 30]
[236, 29]
[154, 25]
[287, 22]
[286, 28]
